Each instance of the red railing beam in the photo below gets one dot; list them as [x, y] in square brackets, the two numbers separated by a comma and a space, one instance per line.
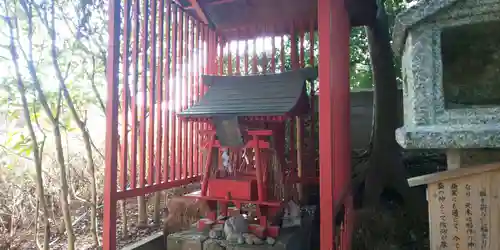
[199, 11]
[166, 79]
[193, 7]
[155, 188]
[334, 108]
[111, 142]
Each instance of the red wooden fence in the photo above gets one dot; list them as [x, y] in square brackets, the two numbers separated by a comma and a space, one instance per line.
[162, 54]
[157, 54]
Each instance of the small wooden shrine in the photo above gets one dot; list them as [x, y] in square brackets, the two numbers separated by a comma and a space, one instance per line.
[463, 207]
[246, 120]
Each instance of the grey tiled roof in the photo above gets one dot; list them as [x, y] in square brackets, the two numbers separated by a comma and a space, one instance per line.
[256, 95]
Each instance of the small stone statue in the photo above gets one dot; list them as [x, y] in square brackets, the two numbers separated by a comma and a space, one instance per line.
[234, 227]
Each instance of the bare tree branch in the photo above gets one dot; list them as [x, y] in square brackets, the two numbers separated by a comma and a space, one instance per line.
[36, 154]
[81, 125]
[94, 87]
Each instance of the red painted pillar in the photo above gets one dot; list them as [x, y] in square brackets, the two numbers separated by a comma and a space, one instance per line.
[334, 108]
[109, 228]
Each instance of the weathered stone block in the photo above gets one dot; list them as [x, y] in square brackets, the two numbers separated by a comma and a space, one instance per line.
[297, 238]
[212, 245]
[186, 240]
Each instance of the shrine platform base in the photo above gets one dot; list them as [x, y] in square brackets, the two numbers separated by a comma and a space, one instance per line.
[297, 238]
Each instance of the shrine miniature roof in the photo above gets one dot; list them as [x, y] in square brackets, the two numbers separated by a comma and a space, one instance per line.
[256, 95]
[414, 15]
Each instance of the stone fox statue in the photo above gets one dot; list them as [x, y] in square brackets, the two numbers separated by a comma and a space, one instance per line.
[181, 213]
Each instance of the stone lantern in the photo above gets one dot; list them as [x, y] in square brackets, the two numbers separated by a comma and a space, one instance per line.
[450, 52]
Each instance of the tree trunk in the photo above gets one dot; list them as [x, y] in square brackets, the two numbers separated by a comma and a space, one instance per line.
[157, 209]
[123, 209]
[386, 170]
[123, 203]
[39, 178]
[93, 183]
[64, 188]
[142, 215]
[37, 154]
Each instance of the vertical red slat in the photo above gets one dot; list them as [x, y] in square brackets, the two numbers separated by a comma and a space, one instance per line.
[183, 94]
[135, 82]
[334, 27]
[229, 59]
[186, 94]
[173, 95]
[295, 65]
[196, 131]
[109, 234]
[144, 88]
[216, 65]
[258, 170]
[254, 57]
[201, 71]
[273, 51]
[191, 94]
[159, 92]
[125, 99]
[152, 87]
[238, 68]
[215, 69]
[222, 44]
[178, 95]
[221, 55]
[205, 37]
[214, 58]
[246, 56]
[166, 80]
[211, 65]
[215, 55]
[206, 53]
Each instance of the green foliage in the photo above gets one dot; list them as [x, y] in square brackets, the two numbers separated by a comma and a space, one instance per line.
[360, 72]
[80, 54]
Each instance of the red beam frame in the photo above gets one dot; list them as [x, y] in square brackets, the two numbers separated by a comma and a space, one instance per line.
[199, 11]
[334, 108]
[109, 232]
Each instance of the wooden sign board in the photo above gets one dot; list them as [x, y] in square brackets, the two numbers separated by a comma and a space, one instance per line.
[464, 208]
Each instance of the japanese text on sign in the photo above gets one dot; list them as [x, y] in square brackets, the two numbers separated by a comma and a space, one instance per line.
[454, 214]
[471, 243]
[482, 219]
[443, 226]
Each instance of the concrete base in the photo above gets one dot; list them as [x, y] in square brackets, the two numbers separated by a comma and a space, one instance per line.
[459, 158]
[289, 239]
[152, 242]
